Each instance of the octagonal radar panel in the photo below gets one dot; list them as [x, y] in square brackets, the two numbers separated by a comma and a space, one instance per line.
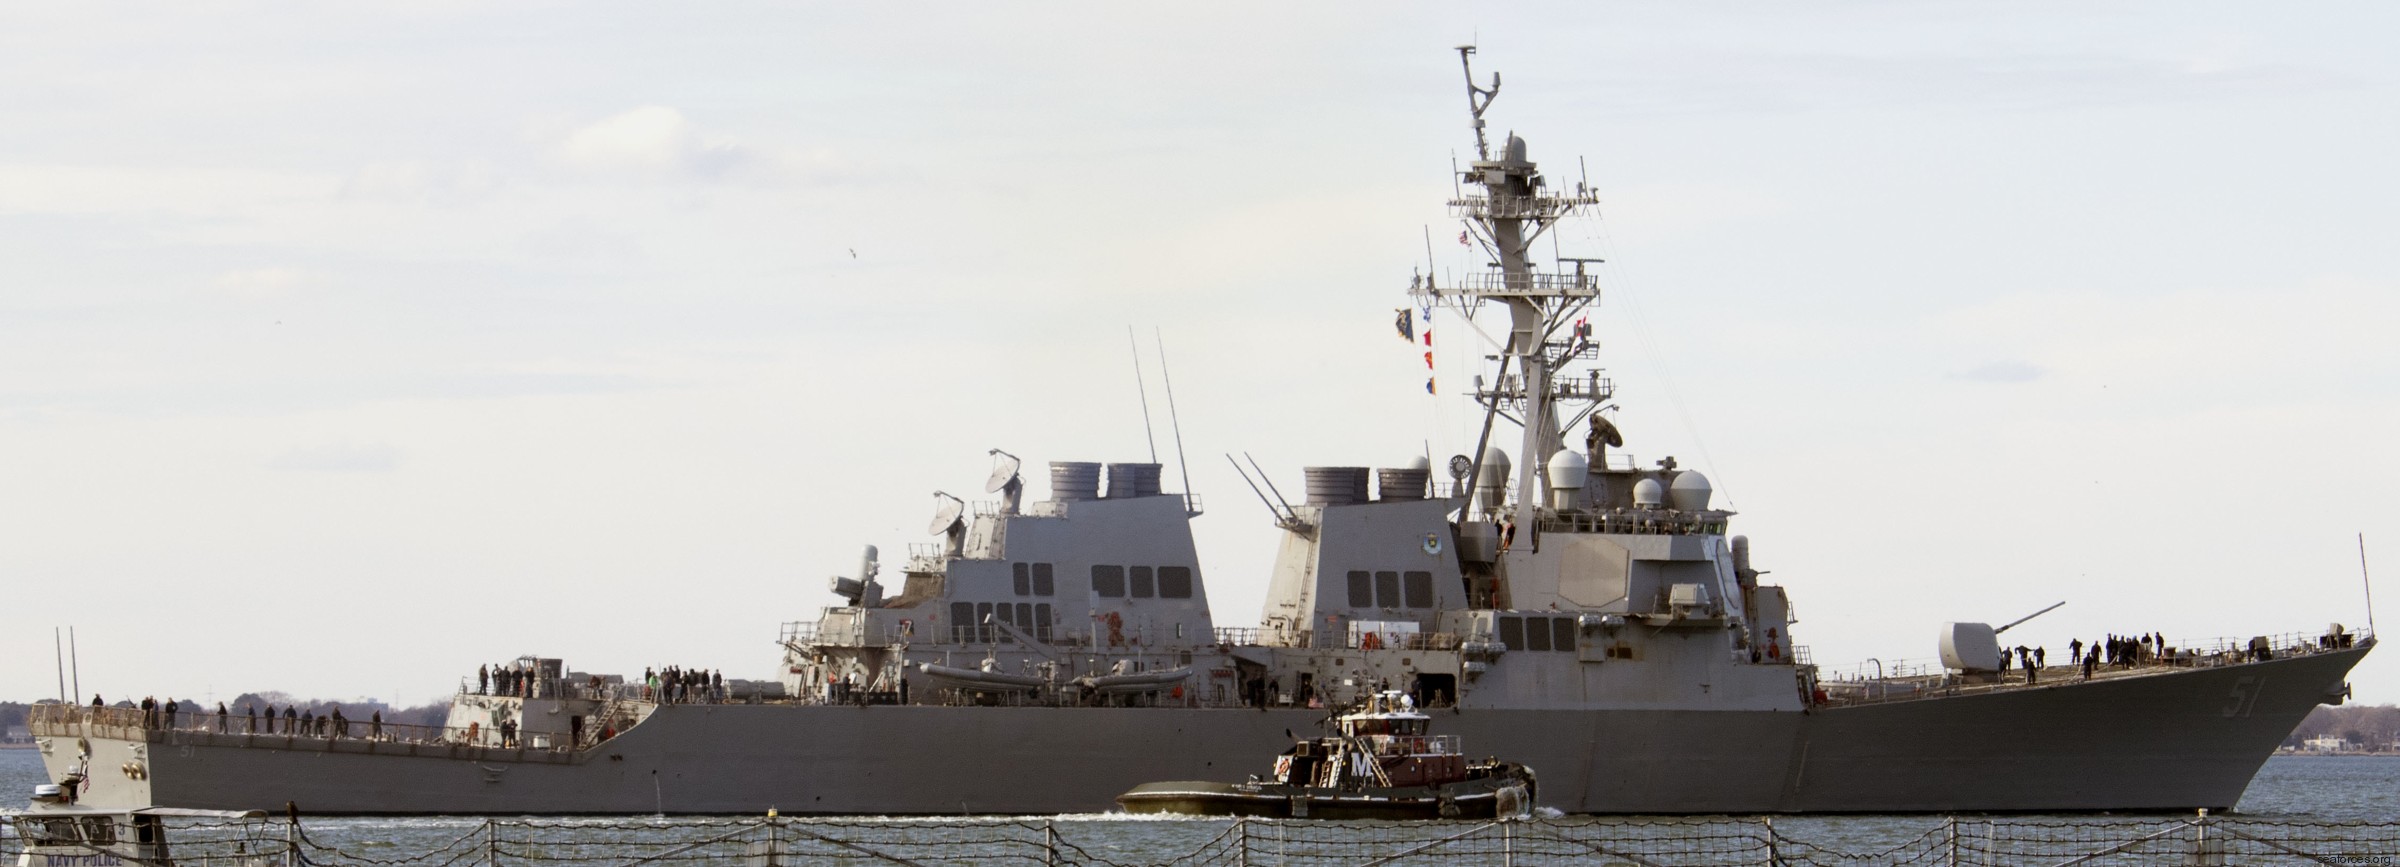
[946, 510]
[1004, 471]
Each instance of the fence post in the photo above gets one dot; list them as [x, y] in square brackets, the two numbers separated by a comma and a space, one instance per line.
[1050, 842]
[1950, 832]
[1774, 851]
[491, 842]
[2205, 851]
[1241, 841]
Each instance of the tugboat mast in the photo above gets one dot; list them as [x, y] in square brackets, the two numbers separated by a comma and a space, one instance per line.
[1513, 210]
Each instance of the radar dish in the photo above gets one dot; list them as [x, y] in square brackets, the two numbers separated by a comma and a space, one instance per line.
[1004, 471]
[946, 510]
[1605, 431]
[1460, 466]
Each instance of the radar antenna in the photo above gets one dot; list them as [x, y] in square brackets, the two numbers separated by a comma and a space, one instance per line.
[1006, 481]
[948, 524]
[1478, 98]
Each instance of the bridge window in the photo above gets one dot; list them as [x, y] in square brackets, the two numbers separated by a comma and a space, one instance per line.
[1420, 588]
[1043, 585]
[1562, 633]
[1108, 581]
[962, 622]
[1175, 582]
[1362, 590]
[1041, 622]
[1512, 632]
[1387, 589]
[1143, 586]
[1537, 633]
[1024, 575]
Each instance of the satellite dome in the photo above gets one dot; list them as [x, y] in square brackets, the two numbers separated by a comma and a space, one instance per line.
[1648, 492]
[1567, 468]
[1495, 468]
[1690, 491]
[1419, 462]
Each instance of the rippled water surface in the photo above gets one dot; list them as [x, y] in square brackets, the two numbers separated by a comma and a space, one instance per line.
[2313, 788]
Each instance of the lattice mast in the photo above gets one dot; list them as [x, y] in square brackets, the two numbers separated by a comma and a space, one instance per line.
[1513, 209]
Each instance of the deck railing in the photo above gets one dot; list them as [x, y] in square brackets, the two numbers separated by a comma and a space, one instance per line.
[1902, 680]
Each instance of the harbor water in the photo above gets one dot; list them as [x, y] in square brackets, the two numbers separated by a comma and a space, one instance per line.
[2296, 789]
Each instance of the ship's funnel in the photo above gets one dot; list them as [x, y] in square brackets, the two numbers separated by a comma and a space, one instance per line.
[1567, 469]
[1491, 483]
[1690, 492]
[1404, 483]
[1074, 480]
[1132, 480]
[1336, 486]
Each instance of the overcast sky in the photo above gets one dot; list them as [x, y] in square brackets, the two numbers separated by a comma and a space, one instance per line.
[344, 348]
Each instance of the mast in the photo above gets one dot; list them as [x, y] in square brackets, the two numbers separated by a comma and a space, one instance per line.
[1513, 209]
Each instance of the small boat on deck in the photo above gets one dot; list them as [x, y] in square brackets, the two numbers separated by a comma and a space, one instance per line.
[1379, 763]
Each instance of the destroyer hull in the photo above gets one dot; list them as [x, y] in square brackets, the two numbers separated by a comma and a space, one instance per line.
[2175, 740]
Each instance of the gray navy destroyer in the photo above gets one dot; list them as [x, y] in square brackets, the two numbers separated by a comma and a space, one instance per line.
[1553, 601]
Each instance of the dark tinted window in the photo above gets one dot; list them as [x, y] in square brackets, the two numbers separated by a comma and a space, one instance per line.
[1043, 585]
[1175, 582]
[1024, 579]
[1562, 633]
[962, 622]
[1006, 614]
[1537, 633]
[1108, 580]
[1420, 588]
[1387, 589]
[1143, 587]
[1362, 590]
[1512, 633]
[1041, 622]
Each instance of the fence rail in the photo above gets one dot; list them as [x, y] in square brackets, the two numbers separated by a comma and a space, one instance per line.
[2197, 841]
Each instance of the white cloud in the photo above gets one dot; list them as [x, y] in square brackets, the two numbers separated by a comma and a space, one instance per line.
[652, 139]
[338, 458]
[2002, 371]
[260, 284]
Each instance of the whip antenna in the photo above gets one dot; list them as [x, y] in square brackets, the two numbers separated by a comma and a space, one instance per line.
[1143, 389]
[1173, 420]
[2362, 580]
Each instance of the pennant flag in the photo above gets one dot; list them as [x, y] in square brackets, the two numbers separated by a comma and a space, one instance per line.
[1429, 385]
[1429, 335]
[1407, 332]
[1428, 361]
[1462, 237]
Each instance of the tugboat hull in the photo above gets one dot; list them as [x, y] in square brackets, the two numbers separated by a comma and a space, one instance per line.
[1499, 797]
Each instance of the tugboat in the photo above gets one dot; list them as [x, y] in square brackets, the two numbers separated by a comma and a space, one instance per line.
[1379, 764]
[58, 832]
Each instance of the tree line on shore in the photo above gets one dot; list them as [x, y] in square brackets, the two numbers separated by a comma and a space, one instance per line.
[2368, 728]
